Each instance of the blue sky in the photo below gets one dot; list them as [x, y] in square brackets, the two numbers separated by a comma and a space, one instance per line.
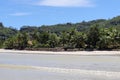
[17, 13]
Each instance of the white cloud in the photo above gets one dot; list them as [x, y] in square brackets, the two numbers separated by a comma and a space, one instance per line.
[66, 3]
[19, 14]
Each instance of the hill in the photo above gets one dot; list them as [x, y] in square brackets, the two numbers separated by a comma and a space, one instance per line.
[6, 33]
[82, 26]
[95, 34]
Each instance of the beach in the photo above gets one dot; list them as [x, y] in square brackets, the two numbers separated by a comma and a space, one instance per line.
[82, 53]
[43, 65]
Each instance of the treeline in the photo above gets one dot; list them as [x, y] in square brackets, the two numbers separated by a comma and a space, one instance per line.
[6, 33]
[96, 38]
[98, 34]
[81, 26]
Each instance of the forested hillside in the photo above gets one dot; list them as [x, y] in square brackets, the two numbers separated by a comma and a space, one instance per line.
[82, 26]
[6, 33]
[99, 34]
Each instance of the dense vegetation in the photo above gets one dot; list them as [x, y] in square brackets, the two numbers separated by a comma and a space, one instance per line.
[98, 34]
[6, 33]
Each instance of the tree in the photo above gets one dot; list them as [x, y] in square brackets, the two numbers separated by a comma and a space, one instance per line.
[71, 38]
[79, 40]
[64, 38]
[1, 25]
[9, 43]
[20, 41]
[109, 38]
[93, 36]
[117, 39]
[44, 37]
[53, 40]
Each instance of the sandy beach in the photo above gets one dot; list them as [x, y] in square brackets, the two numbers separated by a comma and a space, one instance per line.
[83, 53]
[43, 65]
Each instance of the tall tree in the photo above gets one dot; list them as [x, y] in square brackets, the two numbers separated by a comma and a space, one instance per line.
[53, 40]
[64, 38]
[80, 40]
[93, 36]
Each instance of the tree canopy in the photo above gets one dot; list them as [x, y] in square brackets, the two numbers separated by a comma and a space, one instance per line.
[98, 34]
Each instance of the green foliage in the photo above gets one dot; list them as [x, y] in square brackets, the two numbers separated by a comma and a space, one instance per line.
[64, 38]
[93, 36]
[109, 38]
[1, 25]
[6, 33]
[105, 38]
[53, 40]
[71, 38]
[20, 41]
[9, 43]
[104, 34]
[80, 40]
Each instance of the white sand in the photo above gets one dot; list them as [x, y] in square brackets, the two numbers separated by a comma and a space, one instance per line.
[65, 70]
[86, 53]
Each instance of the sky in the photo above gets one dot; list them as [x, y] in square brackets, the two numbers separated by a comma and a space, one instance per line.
[18, 13]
